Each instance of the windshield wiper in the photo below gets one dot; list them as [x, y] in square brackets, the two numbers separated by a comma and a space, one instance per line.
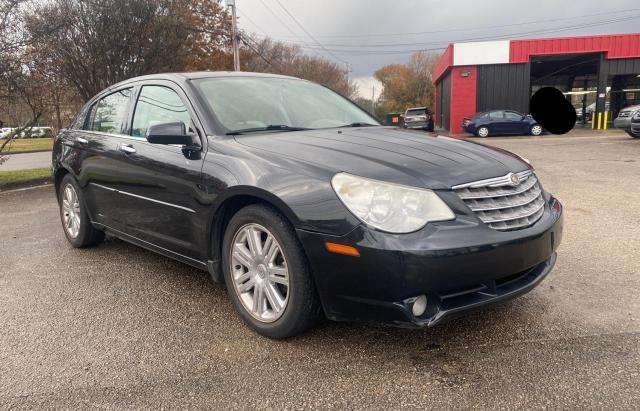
[358, 125]
[272, 127]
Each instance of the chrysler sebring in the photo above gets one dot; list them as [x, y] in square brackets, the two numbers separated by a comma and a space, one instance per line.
[301, 202]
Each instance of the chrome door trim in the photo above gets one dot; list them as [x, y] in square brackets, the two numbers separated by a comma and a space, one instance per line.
[143, 198]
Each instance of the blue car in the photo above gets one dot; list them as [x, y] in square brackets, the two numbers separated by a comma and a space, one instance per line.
[501, 122]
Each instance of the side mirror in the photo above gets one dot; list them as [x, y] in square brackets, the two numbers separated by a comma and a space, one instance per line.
[169, 133]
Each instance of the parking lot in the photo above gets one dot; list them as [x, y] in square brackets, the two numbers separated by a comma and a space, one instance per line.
[117, 326]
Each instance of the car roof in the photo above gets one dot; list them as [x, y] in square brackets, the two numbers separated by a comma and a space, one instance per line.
[183, 76]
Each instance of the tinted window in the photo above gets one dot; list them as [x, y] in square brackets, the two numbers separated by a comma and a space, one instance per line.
[496, 115]
[158, 104]
[111, 112]
[511, 115]
[416, 112]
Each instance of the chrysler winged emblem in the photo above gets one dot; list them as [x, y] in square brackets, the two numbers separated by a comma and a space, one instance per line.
[514, 179]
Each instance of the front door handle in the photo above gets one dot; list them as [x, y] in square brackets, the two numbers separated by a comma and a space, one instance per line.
[82, 140]
[127, 148]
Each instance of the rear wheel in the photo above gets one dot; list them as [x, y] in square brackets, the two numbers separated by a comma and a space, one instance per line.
[267, 275]
[483, 132]
[73, 214]
[536, 130]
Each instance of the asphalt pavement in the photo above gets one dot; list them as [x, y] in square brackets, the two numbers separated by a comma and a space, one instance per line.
[25, 161]
[120, 327]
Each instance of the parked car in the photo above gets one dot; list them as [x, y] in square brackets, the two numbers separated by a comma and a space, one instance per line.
[301, 202]
[418, 118]
[501, 122]
[623, 121]
[37, 132]
[635, 125]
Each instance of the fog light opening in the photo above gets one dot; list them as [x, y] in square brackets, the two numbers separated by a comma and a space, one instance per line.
[419, 305]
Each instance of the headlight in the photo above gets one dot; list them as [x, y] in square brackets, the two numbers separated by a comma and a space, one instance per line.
[390, 207]
[637, 115]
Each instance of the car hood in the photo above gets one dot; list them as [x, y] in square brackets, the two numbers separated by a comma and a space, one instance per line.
[389, 154]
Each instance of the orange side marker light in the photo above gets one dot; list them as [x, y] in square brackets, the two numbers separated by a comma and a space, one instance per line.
[342, 249]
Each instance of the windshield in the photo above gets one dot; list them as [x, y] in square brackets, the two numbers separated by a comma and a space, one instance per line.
[419, 112]
[256, 104]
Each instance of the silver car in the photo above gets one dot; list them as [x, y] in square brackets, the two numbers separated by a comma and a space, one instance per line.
[623, 121]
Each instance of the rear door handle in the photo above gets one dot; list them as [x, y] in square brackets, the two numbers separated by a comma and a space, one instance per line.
[127, 148]
[82, 140]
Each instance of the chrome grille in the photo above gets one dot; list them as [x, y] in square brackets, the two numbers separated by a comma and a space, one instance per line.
[503, 204]
[624, 114]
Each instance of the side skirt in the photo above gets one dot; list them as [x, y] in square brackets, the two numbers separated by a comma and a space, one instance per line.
[152, 247]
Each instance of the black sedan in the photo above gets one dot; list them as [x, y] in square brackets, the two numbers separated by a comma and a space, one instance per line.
[501, 122]
[301, 202]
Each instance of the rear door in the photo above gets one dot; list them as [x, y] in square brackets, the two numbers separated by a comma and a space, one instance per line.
[104, 124]
[161, 190]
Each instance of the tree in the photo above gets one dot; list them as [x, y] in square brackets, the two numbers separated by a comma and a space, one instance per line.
[102, 42]
[407, 85]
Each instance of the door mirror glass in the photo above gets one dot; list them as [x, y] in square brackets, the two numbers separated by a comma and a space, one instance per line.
[169, 133]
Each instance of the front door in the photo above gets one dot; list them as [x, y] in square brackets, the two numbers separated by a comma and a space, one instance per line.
[161, 190]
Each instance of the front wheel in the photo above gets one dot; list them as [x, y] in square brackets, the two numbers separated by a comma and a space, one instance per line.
[75, 219]
[483, 132]
[536, 130]
[267, 275]
[632, 134]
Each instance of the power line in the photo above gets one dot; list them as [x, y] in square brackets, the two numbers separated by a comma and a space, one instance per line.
[310, 35]
[371, 49]
[247, 42]
[417, 33]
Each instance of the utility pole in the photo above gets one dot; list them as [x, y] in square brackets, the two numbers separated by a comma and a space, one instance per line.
[347, 71]
[373, 100]
[234, 34]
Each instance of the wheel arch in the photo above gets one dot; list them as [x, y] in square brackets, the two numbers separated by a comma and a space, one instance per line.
[227, 205]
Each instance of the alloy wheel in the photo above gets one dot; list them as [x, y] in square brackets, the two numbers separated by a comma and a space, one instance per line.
[71, 211]
[259, 271]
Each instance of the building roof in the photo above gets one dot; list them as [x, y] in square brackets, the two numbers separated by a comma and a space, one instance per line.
[614, 46]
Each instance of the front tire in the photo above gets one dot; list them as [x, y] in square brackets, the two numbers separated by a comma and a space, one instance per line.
[76, 224]
[267, 274]
[636, 135]
[536, 130]
[483, 132]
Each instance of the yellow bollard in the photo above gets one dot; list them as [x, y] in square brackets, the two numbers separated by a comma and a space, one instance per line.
[593, 120]
[599, 121]
[606, 116]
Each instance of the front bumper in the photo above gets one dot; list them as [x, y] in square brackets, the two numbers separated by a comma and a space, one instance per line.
[460, 265]
[623, 123]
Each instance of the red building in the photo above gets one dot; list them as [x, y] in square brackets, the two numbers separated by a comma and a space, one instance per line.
[597, 73]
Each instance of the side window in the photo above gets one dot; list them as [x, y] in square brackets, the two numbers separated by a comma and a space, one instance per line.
[512, 115]
[496, 115]
[110, 113]
[158, 104]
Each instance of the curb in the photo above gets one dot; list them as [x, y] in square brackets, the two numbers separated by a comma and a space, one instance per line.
[15, 185]
[10, 153]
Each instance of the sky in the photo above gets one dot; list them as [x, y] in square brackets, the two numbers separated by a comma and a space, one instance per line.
[368, 34]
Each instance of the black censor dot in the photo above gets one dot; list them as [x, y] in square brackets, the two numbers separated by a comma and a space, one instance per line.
[552, 111]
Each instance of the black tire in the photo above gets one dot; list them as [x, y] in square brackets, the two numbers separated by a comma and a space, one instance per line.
[636, 135]
[430, 126]
[303, 309]
[480, 133]
[87, 235]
